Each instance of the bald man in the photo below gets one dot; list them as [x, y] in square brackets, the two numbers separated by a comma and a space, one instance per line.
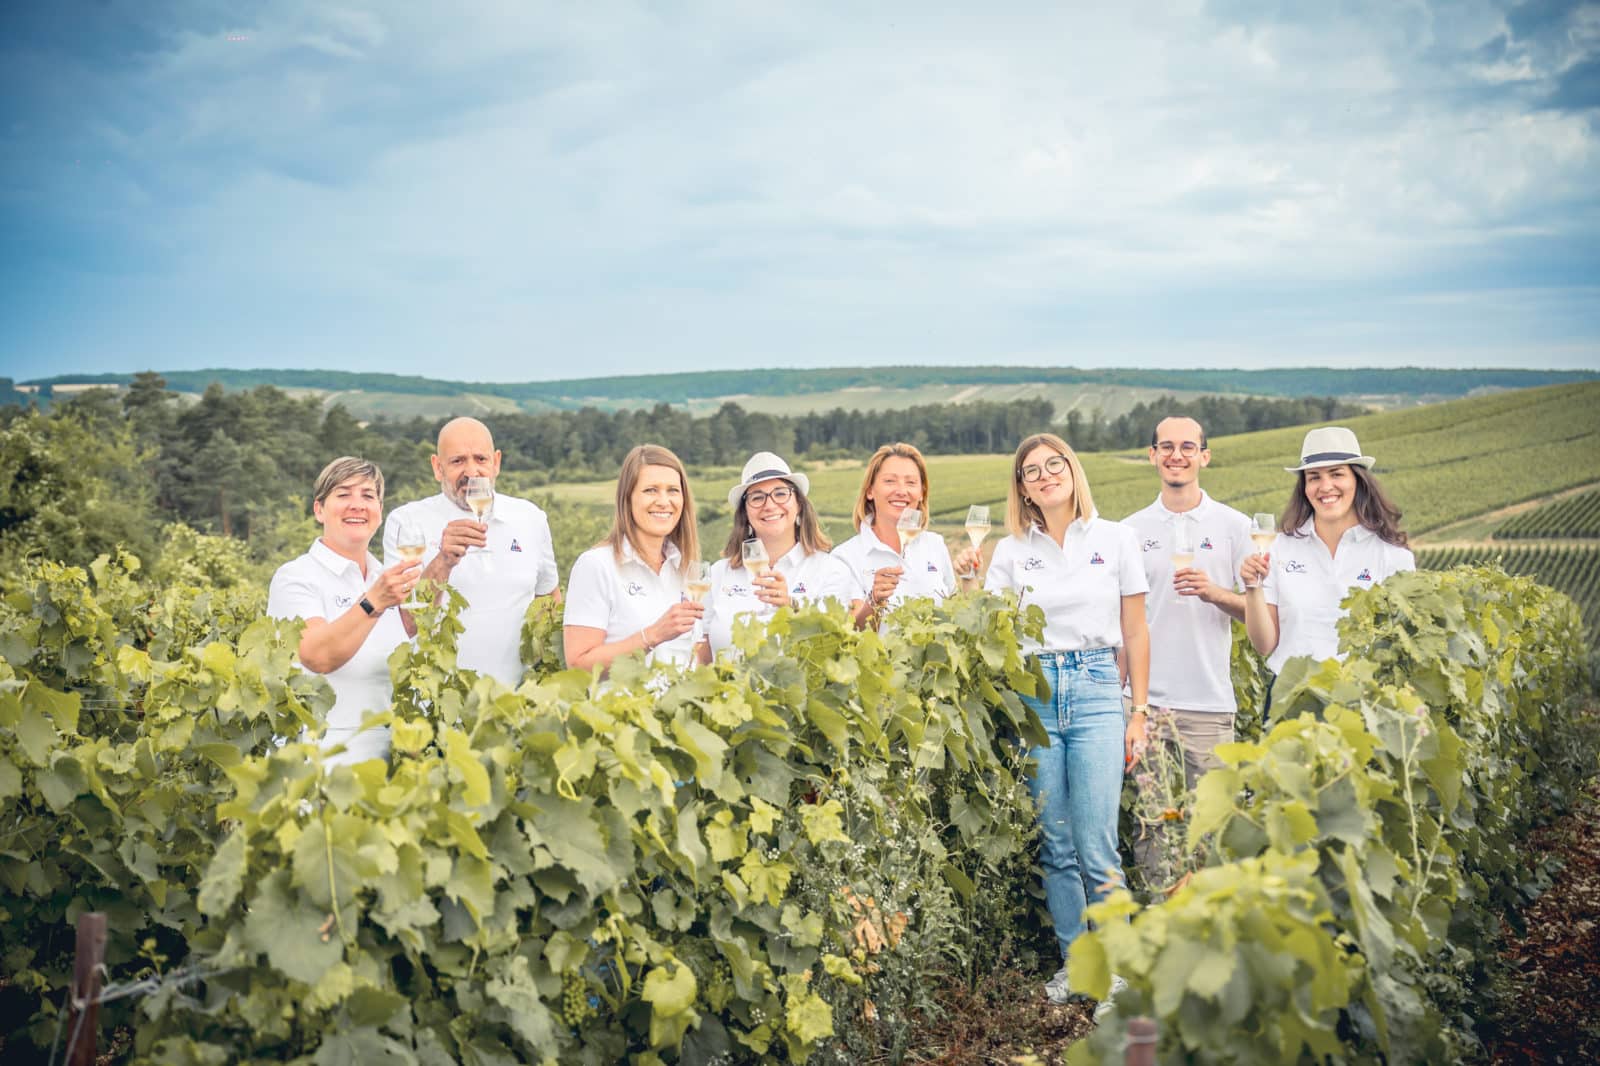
[499, 566]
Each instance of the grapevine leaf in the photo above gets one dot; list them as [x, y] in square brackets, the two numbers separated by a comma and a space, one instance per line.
[823, 822]
[289, 931]
[224, 876]
[513, 989]
[670, 991]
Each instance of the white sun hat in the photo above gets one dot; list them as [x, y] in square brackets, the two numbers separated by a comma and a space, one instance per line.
[1330, 446]
[764, 466]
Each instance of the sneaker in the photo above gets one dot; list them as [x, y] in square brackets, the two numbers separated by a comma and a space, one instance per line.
[1056, 990]
[1107, 1005]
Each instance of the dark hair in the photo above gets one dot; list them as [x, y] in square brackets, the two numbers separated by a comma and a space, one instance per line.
[1154, 439]
[1374, 509]
[808, 529]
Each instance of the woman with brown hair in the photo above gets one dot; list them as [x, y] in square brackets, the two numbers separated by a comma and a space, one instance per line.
[886, 568]
[771, 508]
[626, 594]
[1339, 532]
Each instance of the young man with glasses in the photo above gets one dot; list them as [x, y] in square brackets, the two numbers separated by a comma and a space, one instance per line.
[1190, 608]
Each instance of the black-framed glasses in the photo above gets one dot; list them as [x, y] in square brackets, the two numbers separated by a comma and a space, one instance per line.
[1053, 465]
[1188, 449]
[781, 494]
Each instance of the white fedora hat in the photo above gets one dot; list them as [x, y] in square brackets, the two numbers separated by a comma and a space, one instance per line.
[1331, 446]
[764, 466]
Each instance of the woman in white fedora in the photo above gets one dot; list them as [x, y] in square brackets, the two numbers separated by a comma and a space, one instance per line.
[770, 507]
[1338, 532]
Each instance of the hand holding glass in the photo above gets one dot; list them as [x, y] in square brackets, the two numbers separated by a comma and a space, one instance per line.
[1263, 527]
[410, 542]
[909, 527]
[977, 529]
[1182, 545]
[696, 585]
[480, 501]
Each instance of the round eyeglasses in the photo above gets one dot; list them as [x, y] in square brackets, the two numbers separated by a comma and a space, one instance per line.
[1053, 465]
[1189, 449]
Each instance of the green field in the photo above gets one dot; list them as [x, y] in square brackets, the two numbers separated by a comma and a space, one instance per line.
[1441, 463]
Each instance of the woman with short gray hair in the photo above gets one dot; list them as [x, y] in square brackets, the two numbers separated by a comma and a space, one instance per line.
[350, 605]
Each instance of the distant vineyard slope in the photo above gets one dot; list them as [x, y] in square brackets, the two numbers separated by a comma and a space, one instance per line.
[1575, 517]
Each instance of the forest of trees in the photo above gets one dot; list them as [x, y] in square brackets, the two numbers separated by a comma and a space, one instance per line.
[144, 468]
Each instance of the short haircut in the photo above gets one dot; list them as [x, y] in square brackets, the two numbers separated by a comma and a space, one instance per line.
[346, 468]
[1154, 433]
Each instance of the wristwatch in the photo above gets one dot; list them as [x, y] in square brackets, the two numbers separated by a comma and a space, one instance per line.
[366, 605]
[1140, 708]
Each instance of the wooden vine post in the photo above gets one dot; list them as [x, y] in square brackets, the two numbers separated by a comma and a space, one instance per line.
[1140, 1048]
[87, 965]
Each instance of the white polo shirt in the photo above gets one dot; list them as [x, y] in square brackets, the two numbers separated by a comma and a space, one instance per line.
[1079, 585]
[522, 565]
[624, 597]
[324, 584]
[927, 565]
[1191, 641]
[812, 577]
[1306, 584]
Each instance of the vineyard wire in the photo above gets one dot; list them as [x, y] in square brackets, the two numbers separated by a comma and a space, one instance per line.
[144, 986]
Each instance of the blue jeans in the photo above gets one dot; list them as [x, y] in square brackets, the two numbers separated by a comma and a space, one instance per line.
[1077, 783]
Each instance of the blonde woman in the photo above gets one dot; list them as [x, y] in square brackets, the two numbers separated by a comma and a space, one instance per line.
[626, 594]
[1087, 575]
[885, 569]
[770, 505]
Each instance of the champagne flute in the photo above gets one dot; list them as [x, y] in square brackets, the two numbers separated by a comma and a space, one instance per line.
[977, 529]
[696, 585]
[1182, 544]
[909, 527]
[480, 501]
[1263, 528]
[410, 543]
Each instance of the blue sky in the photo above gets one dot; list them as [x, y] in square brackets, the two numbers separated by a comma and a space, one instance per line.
[515, 191]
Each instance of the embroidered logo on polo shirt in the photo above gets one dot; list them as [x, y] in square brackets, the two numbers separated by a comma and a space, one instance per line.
[1150, 545]
[738, 590]
[635, 589]
[342, 601]
[1295, 566]
[1206, 544]
[799, 590]
[933, 568]
[1096, 560]
[1033, 564]
[1365, 575]
[514, 545]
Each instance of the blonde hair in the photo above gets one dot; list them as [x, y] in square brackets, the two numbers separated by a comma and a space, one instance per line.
[807, 529]
[898, 450]
[1022, 512]
[623, 528]
[346, 468]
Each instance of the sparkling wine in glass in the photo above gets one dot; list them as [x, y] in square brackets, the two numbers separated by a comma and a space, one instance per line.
[977, 529]
[1182, 545]
[410, 543]
[1263, 526]
[755, 557]
[909, 527]
[480, 501]
[696, 586]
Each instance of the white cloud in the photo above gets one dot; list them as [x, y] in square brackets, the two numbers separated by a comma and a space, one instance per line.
[893, 182]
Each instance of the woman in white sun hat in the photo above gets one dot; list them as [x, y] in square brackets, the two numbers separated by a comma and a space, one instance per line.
[1339, 532]
[771, 508]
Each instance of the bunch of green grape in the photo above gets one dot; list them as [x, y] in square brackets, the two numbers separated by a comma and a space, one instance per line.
[575, 1005]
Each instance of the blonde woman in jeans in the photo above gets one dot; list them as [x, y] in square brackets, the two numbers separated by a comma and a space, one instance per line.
[1085, 573]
